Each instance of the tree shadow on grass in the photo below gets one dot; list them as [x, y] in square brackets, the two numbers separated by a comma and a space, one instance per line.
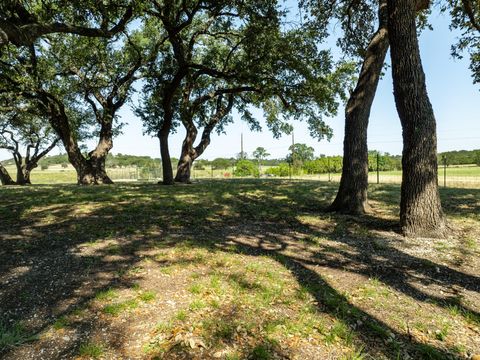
[56, 278]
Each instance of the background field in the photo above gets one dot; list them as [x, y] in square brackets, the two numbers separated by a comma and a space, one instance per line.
[457, 176]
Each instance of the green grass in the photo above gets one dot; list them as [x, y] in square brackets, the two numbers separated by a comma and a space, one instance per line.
[261, 352]
[181, 315]
[91, 350]
[106, 295]
[12, 335]
[257, 266]
[147, 296]
[58, 175]
[339, 331]
[61, 323]
[469, 171]
[118, 308]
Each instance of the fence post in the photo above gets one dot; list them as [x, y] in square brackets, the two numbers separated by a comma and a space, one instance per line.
[378, 168]
[328, 167]
[444, 170]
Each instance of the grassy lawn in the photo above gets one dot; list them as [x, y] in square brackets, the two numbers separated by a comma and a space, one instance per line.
[473, 171]
[237, 269]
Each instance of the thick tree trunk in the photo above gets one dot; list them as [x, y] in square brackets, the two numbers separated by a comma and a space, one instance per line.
[95, 171]
[90, 171]
[5, 177]
[184, 169]
[166, 160]
[352, 193]
[23, 175]
[420, 207]
[191, 153]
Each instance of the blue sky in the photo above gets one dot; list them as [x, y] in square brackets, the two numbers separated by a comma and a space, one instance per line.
[456, 102]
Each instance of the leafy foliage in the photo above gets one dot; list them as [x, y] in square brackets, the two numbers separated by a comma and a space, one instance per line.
[466, 18]
[244, 52]
[260, 153]
[246, 168]
[460, 157]
[23, 22]
[299, 154]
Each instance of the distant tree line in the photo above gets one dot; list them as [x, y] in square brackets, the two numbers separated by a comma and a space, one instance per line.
[460, 157]
[304, 162]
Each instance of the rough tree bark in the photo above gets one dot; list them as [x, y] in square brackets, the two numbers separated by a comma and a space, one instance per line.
[5, 177]
[90, 171]
[189, 152]
[421, 211]
[164, 132]
[97, 158]
[166, 160]
[23, 175]
[187, 156]
[352, 193]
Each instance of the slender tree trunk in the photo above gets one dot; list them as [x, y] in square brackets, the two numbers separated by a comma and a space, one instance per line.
[352, 193]
[5, 177]
[166, 160]
[187, 156]
[420, 207]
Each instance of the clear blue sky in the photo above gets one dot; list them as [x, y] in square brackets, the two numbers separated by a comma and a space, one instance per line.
[455, 99]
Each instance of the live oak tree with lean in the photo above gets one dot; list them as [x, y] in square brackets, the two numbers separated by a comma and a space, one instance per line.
[22, 128]
[79, 92]
[251, 64]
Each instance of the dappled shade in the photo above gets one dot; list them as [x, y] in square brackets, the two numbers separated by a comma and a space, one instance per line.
[241, 266]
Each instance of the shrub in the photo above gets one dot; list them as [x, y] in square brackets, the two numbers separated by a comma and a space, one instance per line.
[282, 170]
[246, 168]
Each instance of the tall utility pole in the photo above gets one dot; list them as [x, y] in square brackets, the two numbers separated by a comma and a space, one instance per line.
[293, 146]
[241, 146]
[293, 155]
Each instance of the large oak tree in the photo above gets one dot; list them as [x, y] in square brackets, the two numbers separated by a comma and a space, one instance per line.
[22, 127]
[352, 193]
[79, 84]
[420, 206]
[226, 56]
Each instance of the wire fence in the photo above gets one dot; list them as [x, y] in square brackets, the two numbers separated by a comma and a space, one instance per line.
[446, 177]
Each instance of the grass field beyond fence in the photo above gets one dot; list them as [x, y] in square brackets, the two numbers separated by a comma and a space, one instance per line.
[457, 176]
